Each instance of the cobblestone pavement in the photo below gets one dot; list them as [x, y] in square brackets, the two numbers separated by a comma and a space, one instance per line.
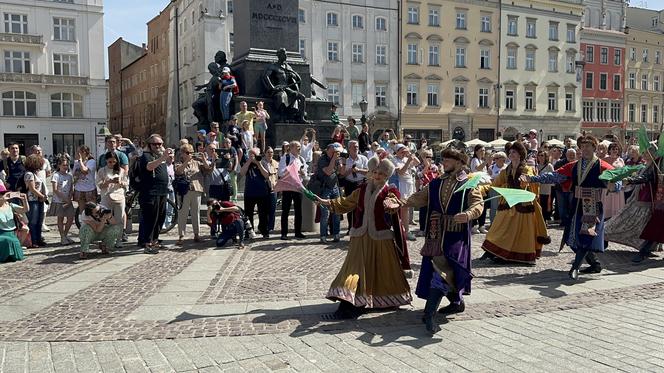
[264, 309]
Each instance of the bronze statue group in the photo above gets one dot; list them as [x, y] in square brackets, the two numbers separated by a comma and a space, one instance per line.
[373, 274]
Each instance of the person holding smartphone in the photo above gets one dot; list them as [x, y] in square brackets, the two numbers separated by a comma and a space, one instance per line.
[10, 246]
[112, 182]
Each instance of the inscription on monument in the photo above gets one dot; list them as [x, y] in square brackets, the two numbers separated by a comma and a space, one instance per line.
[272, 24]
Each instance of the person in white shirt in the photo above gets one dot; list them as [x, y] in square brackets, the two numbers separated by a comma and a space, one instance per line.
[308, 146]
[288, 198]
[405, 163]
[354, 171]
[43, 174]
[531, 142]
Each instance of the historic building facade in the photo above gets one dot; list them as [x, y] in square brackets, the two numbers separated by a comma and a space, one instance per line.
[450, 67]
[603, 55]
[538, 73]
[52, 82]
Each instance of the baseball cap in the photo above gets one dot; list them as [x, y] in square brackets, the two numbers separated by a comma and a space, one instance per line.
[532, 131]
[202, 132]
[399, 147]
[336, 146]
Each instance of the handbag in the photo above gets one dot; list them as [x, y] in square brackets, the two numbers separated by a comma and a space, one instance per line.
[181, 185]
[315, 185]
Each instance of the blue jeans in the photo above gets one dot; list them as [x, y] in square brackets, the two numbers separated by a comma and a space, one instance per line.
[169, 209]
[230, 231]
[325, 213]
[35, 218]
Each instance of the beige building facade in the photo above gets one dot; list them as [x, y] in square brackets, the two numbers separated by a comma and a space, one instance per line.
[449, 59]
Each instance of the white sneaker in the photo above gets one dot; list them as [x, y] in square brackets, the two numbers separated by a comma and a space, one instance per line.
[474, 231]
[45, 228]
[483, 230]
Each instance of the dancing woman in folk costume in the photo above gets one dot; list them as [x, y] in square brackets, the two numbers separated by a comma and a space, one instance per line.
[372, 275]
[518, 233]
[446, 254]
[586, 223]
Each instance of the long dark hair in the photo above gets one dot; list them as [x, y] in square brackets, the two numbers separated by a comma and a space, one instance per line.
[513, 181]
[112, 155]
[477, 148]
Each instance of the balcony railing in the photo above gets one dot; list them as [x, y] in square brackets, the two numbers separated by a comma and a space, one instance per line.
[21, 39]
[43, 79]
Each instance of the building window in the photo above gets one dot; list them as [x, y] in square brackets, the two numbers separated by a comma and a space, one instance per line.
[230, 7]
[603, 77]
[411, 94]
[553, 31]
[19, 104]
[553, 61]
[589, 80]
[530, 59]
[630, 113]
[530, 101]
[459, 96]
[485, 23]
[509, 99]
[616, 82]
[16, 23]
[432, 95]
[571, 33]
[381, 95]
[332, 19]
[412, 54]
[601, 111]
[66, 105]
[358, 53]
[434, 17]
[616, 112]
[658, 57]
[484, 98]
[332, 51]
[303, 49]
[617, 57]
[485, 59]
[632, 54]
[569, 63]
[433, 55]
[531, 31]
[17, 62]
[461, 20]
[604, 56]
[590, 54]
[512, 25]
[413, 15]
[644, 113]
[655, 114]
[301, 16]
[644, 82]
[381, 24]
[654, 21]
[644, 55]
[65, 64]
[569, 101]
[588, 111]
[511, 58]
[357, 22]
[381, 55]
[357, 93]
[67, 142]
[64, 29]
[655, 83]
[632, 80]
[552, 101]
[460, 59]
[333, 93]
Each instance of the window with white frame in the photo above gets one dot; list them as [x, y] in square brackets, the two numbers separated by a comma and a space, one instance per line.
[588, 111]
[644, 55]
[229, 6]
[16, 23]
[631, 80]
[485, 58]
[459, 96]
[461, 19]
[616, 82]
[434, 53]
[432, 94]
[301, 16]
[412, 54]
[553, 61]
[590, 54]
[358, 53]
[553, 31]
[654, 21]
[381, 95]
[658, 57]
[332, 51]
[603, 81]
[511, 58]
[333, 93]
[434, 16]
[552, 101]
[569, 101]
[332, 19]
[655, 83]
[632, 54]
[19, 104]
[357, 93]
[485, 23]
[590, 77]
[616, 112]
[460, 57]
[604, 55]
[357, 21]
[66, 105]
[571, 33]
[413, 14]
[644, 113]
[644, 82]
[531, 28]
[64, 29]
[602, 109]
[65, 64]
[617, 57]
[655, 114]
[381, 24]
[381, 54]
[509, 99]
[483, 98]
[303, 48]
[411, 94]
[631, 108]
[512, 25]
[570, 62]
[529, 100]
[530, 59]
[17, 62]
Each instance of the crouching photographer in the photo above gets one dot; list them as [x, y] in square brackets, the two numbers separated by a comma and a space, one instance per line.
[98, 224]
[226, 217]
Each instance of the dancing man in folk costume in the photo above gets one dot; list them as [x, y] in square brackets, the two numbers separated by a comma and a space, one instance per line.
[372, 275]
[586, 223]
[446, 268]
[519, 232]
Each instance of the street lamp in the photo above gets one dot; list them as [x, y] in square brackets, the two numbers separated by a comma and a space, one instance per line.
[363, 107]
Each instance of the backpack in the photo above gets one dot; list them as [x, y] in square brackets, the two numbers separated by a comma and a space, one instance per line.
[135, 173]
[20, 182]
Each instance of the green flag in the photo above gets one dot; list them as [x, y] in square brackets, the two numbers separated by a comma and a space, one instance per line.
[514, 196]
[471, 183]
[644, 143]
[616, 174]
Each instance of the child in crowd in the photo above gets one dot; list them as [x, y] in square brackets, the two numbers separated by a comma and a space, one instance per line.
[225, 215]
[63, 194]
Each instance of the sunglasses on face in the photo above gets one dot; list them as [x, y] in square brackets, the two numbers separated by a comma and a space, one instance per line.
[157, 143]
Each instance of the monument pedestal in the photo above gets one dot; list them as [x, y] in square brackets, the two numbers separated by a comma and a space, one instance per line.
[309, 216]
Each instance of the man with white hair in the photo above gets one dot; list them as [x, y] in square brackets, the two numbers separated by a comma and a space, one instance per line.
[288, 198]
[354, 172]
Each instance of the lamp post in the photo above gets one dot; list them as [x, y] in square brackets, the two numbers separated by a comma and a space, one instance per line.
[363, 107]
